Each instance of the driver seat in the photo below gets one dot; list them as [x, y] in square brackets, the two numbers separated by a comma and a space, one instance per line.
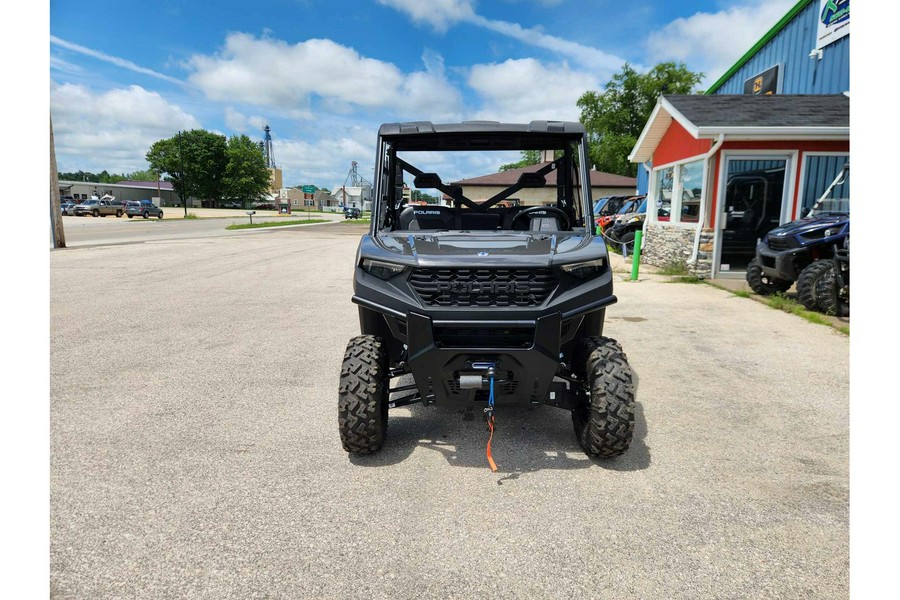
[536, 221]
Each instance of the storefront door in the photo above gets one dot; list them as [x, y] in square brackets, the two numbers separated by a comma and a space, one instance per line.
[755, 202]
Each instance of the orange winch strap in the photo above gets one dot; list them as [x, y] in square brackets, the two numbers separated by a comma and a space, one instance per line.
[489, 457]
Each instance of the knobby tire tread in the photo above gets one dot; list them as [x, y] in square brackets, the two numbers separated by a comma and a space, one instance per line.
[363, 395]
[605, 427]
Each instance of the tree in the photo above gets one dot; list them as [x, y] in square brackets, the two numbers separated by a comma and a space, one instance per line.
[420, 196]
[194, 162]
[529, 157]
[146, 175]
[615, 117]
[246, 176]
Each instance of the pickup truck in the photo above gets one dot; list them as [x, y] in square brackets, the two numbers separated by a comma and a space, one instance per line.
[99, 207]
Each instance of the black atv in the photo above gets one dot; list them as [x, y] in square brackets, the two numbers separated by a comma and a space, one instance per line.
[833, 287]
[624, 228]
[802, 250]
[484, 304]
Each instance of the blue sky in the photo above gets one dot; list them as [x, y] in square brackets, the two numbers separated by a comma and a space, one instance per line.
[325, 73]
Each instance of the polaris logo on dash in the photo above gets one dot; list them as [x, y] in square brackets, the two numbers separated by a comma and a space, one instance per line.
[426, 212]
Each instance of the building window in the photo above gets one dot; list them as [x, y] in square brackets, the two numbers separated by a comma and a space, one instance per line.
[295, 202]
[819, 172]
[691, 180]
[678, 191]
[664, 183]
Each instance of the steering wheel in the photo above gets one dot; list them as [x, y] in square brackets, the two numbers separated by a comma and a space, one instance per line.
[533, 209]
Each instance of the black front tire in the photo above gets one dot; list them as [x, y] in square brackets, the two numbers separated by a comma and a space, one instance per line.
[806, 283]
[363, 395]
[160, 215]
[130, 216]
[628, 240]
[762, 284]
[146, 215]
[832, 301]
[605, 427]
[96, 213]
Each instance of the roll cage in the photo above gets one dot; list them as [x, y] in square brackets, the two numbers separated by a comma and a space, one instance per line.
[566, 140]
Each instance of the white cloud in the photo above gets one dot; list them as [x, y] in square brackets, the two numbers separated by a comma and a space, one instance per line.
[115, 60]
[324, 162]
[111, 130]
[522, 90]
[440, 14]
[241, 123]
[443, 13]
[712, 42]
[586, 55]
[267, 72]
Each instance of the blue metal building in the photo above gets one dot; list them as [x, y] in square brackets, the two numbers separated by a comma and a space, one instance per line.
[792, 59]
[793, 46]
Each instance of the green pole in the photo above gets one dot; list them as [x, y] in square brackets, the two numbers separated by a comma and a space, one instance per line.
[636, 255]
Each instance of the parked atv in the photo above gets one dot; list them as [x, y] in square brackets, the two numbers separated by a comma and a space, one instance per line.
[484, 305]
[624, 228]
[833, 287]
[628, 205]
[802, 250]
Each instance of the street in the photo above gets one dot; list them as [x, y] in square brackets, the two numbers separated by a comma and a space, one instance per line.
[195, 450]
[87, 231]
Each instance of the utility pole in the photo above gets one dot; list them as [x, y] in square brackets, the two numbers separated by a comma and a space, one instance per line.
[56, 222]
[183, 175]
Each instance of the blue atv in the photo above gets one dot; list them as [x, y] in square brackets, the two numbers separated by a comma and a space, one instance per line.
[803, 251]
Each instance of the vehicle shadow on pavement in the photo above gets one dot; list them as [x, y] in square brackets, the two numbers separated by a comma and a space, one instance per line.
[526, 439]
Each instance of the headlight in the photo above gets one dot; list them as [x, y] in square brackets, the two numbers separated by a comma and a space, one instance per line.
[831, 231]
[382, 270]
[585, 270]
[635, 219]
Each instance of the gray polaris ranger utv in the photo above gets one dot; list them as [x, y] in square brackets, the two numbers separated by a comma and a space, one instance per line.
[487, 294]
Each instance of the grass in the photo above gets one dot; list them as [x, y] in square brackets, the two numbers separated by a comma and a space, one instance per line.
[356, 221]
[741, 293]
[191, 216]
[783, 303]
[686, 279]
[276, 224]
[674, 269]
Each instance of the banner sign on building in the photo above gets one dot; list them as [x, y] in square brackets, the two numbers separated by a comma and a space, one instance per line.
[763, 84]
[834, 21]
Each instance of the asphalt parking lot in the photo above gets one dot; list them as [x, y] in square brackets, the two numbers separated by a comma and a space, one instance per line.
[195, 454]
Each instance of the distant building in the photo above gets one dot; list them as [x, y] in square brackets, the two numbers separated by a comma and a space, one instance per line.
[162, 193]
[486, 186]
[358, 197]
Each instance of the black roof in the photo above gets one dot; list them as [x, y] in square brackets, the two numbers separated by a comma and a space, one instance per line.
[820, 110]
[427, 127]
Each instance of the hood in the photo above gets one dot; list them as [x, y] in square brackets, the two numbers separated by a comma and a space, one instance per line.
[802, 226]
[488, 250]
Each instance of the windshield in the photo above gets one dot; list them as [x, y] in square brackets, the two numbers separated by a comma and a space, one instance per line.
[832, 206]
[503, 189]
[600, 204]
[626, 208]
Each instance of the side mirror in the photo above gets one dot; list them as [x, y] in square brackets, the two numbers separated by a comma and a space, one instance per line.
[532, 180]
[427, 180]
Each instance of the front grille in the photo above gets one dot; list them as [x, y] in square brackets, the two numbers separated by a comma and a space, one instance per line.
[483, 287]
[483, 337]
[779, 244]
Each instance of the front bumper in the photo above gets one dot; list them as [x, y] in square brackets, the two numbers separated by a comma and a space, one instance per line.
[524, 373]
[780, 264]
